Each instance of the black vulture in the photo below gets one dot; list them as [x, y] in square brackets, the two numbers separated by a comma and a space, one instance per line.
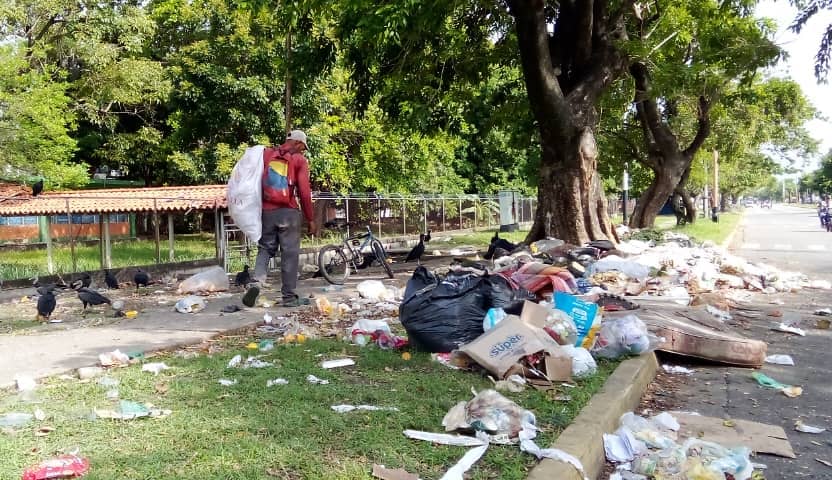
[418, 250]
[91, 297]
[141, 279]
[37, 188]
[243, 278]
[427, 236]
[110, 280]
[46, 303]
[84, 282]
[498, 243]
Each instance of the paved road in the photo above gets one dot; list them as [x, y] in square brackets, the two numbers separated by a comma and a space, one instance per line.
[789, 238]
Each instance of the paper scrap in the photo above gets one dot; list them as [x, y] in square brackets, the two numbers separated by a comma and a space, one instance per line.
[444, 438]
[780, 360]
[789, 329]
[316, 381]
[236, 361]
[465, 463]
[341, 362]
[350, 408]
[154, 367]
[277, 381]
[226, 382]
[802, 427]
[384, 473]
[678, 370]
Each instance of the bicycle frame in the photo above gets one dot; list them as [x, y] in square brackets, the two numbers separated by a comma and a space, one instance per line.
[356, 251]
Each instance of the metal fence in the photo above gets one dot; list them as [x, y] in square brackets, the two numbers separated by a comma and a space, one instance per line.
[394, 215]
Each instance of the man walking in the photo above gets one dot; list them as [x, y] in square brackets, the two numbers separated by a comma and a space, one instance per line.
[285, 181]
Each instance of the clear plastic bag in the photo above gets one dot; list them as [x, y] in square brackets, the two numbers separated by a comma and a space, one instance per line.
[212, 280]
[245, 193]
[624, 336]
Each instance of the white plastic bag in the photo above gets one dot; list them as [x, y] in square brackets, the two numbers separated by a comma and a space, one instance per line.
[190, 304]
[623, 336]
[212, 280]
[375, 290]
[245, 193]
[583, 365]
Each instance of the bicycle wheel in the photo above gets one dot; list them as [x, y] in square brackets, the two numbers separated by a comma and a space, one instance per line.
[333, 264]
[381, 256]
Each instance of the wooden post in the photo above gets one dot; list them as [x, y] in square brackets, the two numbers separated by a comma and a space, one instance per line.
[476, 213]
[379, 216]
[443, 214]
[71, 238]
[101, 240]
[50, 261]
[425, 218]
[108, 253]
[170, 237]
[716, 179]
[156, 232]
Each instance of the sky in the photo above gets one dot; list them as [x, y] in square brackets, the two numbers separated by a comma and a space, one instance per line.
[799, 65]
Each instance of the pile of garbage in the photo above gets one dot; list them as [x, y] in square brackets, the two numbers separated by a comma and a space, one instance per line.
[650, 448]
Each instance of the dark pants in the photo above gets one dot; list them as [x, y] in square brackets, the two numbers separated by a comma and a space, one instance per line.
[281, 227]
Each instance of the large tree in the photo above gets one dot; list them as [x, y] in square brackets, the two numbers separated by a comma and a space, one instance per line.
[414, 53]
[806, 11]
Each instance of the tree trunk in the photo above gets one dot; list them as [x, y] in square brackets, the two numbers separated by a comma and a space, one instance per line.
[570, 203]
[564, 85]
[653, 199]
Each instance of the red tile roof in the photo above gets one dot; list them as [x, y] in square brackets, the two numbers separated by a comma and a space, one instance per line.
[117, 200]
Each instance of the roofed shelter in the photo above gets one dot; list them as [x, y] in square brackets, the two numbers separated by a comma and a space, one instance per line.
[102, 202]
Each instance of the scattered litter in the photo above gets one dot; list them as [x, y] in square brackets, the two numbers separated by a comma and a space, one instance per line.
[758, 437]
[316, 381]
[445, 438]
[267, 318]
[624, 336]
[341, 362]
[230, 308]
[384, 473]
[190, 304]
[277, 381]
[780, 360]
[514, 383]
[252, 346]
[44, 431]
[40, 415]
[55, 320]
[822, 324]
[256, 362]
[820, 284]
[769, 382]
[678, 370]
[15, 419]
[113, 358]
[211, 280]
[265, 345]
[375, 290]
[802, 427]
[65, 466]
[226, 382]
[825, 462]
[235, 361]
[155, 368]
[350, 408]
[789, 329]
[108, 382]
[823, 312]
[129, 410]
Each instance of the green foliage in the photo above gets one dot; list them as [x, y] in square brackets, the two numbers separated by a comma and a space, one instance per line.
[35, 124]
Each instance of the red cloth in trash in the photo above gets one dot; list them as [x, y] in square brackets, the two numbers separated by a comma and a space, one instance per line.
[540, 278]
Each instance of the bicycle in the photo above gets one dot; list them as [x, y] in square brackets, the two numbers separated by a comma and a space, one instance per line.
[334, 260]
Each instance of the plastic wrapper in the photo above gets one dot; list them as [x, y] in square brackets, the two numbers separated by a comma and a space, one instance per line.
[489, 412]
[624, 336]
[584, 315]
[583, 365]
[375, 290]
[190, 304]
[245, 193]
[213, 279]
[560, 326]
[492, 317]
[65, 466]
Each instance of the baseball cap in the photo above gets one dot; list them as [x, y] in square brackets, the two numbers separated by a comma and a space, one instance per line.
[299, 136]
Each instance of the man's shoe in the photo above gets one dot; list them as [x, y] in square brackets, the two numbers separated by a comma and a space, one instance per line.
[296, 302]
[251, 296]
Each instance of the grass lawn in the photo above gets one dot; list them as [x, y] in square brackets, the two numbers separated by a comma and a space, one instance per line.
[249, 431]
[27, 264]
[704, 228]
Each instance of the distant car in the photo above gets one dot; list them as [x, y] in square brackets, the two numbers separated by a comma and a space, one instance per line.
[749, 203]
[766, 204]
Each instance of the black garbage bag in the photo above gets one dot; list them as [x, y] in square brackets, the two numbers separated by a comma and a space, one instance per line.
[439, 316]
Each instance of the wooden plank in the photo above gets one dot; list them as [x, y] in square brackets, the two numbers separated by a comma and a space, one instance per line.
[170, 237]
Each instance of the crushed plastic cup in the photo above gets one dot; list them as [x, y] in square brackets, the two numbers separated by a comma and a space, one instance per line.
[25, 383]
[65, 466]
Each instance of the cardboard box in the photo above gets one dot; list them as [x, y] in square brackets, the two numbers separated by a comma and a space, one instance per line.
[501, 349]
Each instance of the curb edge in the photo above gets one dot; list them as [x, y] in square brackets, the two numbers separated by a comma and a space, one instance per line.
[621, 393]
